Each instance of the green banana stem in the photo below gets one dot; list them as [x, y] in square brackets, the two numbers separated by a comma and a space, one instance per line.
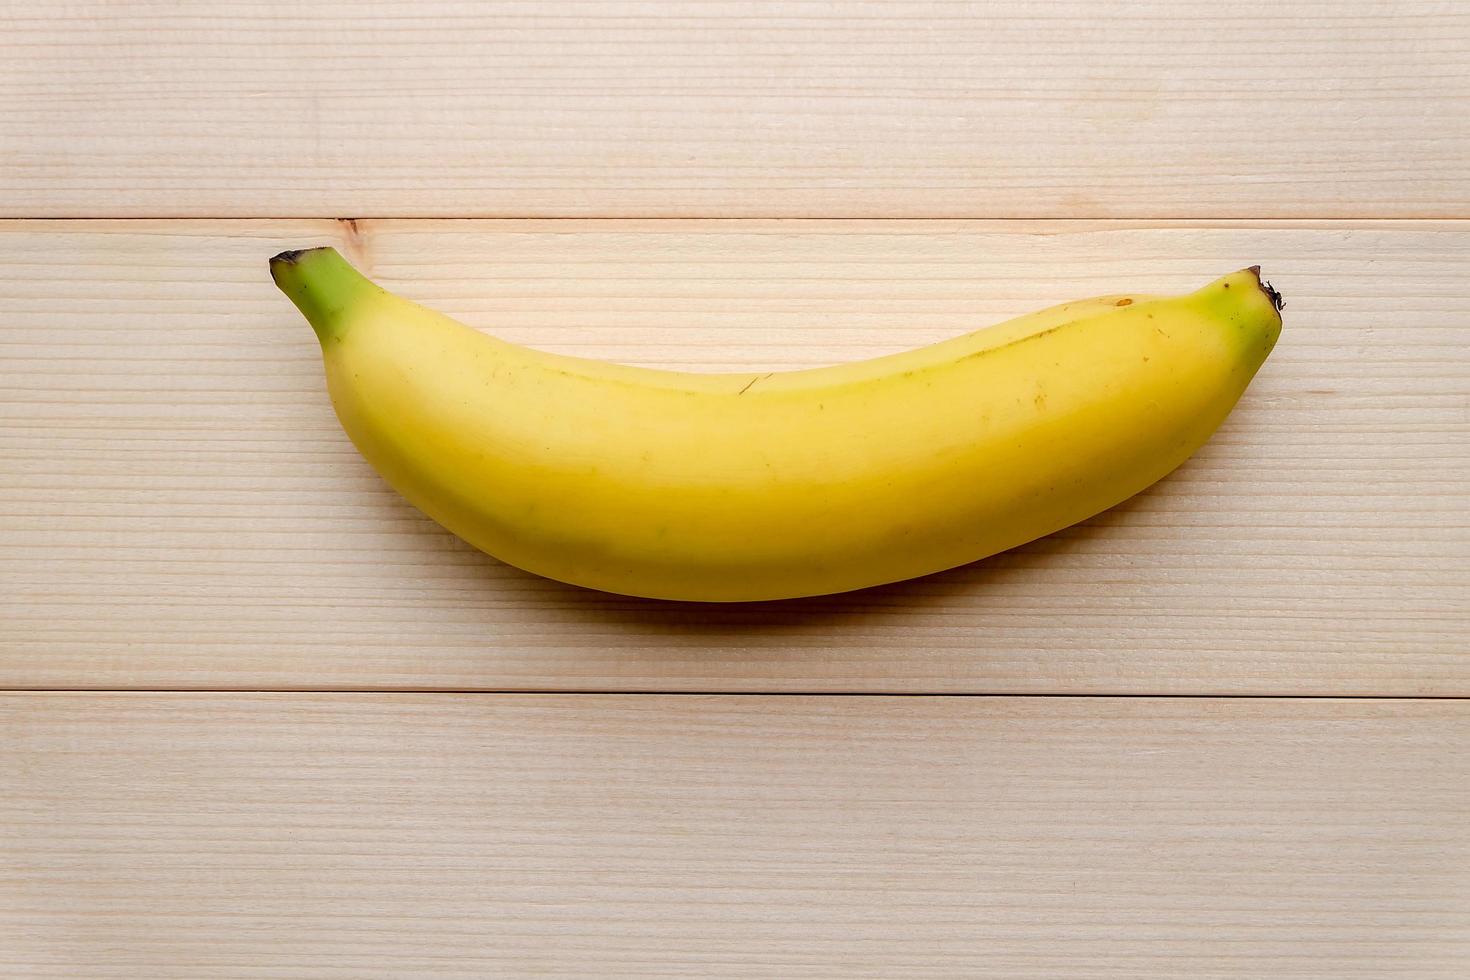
[323, 285]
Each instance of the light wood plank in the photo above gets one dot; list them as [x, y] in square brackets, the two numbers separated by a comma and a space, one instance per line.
[519, 835]
[178, 507]
[822, 108]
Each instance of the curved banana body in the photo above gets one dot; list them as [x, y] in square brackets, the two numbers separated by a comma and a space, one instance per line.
[731, 487]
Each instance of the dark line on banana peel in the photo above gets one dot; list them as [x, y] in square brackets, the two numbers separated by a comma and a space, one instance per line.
[1019, 340]
[751, 383]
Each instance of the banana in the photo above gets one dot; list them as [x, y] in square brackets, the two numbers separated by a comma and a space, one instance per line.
[735, 487]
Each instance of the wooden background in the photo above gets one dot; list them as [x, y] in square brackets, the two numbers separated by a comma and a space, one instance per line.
[260, 718]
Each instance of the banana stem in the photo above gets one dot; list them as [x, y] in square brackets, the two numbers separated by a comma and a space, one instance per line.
[323, 285]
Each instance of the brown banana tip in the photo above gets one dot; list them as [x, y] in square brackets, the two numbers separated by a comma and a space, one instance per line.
[291, 258]
[1272, 293]
[294, 255]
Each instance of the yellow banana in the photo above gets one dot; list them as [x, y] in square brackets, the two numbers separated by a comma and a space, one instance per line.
[731, 487]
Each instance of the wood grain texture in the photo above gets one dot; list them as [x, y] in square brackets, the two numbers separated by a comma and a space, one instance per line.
[207, 836]
[821, 108]
[179, 508]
